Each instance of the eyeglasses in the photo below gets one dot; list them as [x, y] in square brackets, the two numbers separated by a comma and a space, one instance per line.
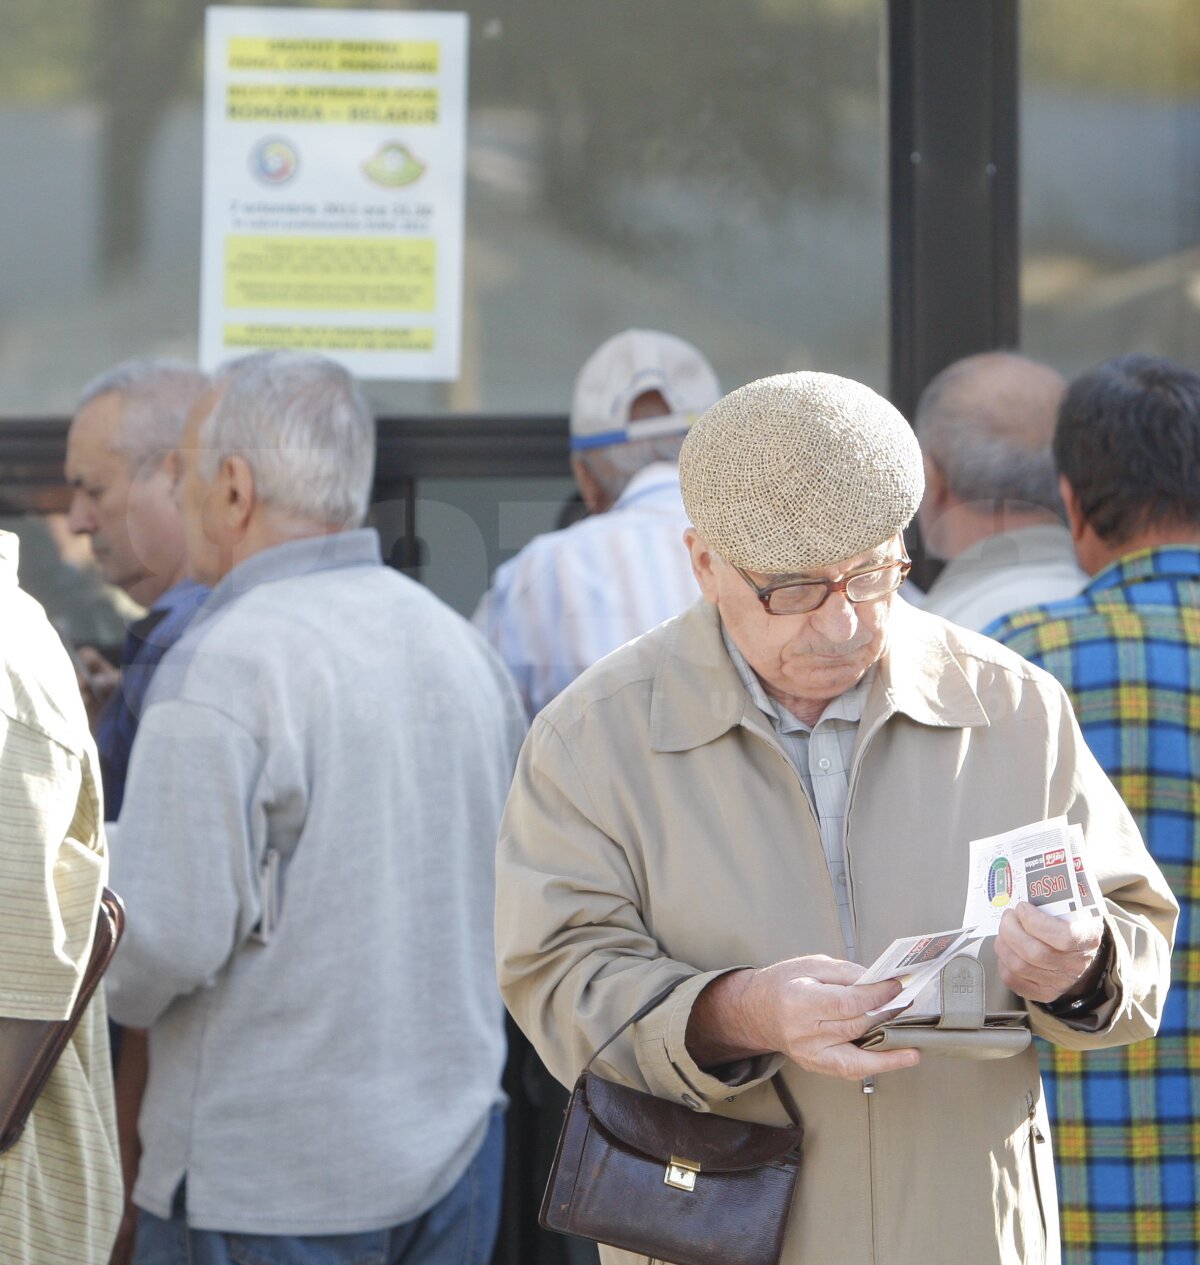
[792, 597]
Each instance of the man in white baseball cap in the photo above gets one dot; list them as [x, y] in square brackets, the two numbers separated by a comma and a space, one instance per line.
[572, 596]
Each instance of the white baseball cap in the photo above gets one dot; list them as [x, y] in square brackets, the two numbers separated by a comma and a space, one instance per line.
[627, 366]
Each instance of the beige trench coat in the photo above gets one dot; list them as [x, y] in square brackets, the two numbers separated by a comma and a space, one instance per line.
[655, 829]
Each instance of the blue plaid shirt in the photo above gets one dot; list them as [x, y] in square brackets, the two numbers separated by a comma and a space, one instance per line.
[145, 644]
[1126, 1121]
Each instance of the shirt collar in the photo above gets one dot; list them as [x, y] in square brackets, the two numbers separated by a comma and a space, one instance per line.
[658, 476]
[1148, 564]
[1043, 542]
[920, 676]
[297, 557]
[178, 594]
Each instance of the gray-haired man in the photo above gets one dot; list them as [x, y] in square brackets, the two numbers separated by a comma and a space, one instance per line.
[991, 506]
[306, 860]
[754, 798]
[120, 465]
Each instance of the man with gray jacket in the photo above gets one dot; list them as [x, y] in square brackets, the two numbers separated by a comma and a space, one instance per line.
[756, 798]
[306, 854]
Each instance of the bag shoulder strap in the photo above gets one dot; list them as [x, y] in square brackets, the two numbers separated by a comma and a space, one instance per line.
[781, 1090]
[654, 1001]
[30, 1049]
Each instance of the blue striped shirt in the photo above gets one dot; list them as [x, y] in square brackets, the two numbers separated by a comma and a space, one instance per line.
[570, 597]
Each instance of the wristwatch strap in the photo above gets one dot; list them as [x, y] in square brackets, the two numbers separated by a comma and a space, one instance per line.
[1078, 1007]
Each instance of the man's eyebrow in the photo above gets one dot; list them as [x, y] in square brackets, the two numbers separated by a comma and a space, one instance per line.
[878, 559]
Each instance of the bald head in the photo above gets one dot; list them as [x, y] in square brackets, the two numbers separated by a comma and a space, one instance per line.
[985, 425]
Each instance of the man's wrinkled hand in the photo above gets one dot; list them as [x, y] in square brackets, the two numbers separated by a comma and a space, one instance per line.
[98, 680]
[811, 1010]
[1042, 958]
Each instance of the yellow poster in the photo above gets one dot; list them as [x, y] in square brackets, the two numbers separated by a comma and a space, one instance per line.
[333, 187]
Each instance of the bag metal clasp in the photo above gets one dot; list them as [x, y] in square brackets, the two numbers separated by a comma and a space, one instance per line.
[682, 1173]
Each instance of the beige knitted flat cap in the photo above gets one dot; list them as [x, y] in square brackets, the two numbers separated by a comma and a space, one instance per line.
[798, 471]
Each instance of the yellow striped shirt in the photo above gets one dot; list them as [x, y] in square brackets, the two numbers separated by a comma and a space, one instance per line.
[60, 1186]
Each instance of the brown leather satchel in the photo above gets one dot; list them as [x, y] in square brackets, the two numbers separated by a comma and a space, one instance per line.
[30, 1048]
[650, 1176]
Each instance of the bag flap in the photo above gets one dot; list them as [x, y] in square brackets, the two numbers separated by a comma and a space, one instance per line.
[994, 1019]
[954, 1043]
[661, 1129]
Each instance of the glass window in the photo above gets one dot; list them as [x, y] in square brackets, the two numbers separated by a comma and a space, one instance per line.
[711, 169]
[1110, 178]
[716, 170]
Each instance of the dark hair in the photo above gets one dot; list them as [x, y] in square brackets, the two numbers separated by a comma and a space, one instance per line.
[1128, 443]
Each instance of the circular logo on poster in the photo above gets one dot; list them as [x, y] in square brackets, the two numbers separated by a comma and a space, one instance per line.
[274, 161]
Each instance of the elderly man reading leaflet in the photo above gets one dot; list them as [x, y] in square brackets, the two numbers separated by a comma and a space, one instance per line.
[763, 793]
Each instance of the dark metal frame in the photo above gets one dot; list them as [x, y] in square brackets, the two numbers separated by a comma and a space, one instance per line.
[459, 446]
[954, 215]
[32, 451]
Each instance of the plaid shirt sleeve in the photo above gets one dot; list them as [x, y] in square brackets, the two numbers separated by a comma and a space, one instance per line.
[1127, 1121]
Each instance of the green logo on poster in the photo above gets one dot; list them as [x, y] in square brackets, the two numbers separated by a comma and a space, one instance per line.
[393, 166]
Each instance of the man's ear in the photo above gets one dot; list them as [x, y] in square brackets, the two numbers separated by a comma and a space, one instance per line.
[236, 494]
[934, 503]
[1092, 553]
[703, 563]
[1075, 516]
[590, 488]
[937, 490]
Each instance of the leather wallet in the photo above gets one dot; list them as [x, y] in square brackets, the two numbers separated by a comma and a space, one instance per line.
[30, 1048]
[650, 1176]
[963, 1029]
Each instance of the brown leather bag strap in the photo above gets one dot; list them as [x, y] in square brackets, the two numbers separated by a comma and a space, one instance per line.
[654, 1001]
[30, 1049]
[781, 1090]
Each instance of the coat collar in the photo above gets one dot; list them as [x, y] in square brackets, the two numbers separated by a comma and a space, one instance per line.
[697, 695]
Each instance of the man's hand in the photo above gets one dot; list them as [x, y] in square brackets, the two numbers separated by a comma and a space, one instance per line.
[122, 1252]
[98, 681]
[807, 1008]
[129, 1086]
[1043, 958]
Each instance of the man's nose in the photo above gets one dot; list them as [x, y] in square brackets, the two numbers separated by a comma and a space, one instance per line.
[836, 618]
[80, 519]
